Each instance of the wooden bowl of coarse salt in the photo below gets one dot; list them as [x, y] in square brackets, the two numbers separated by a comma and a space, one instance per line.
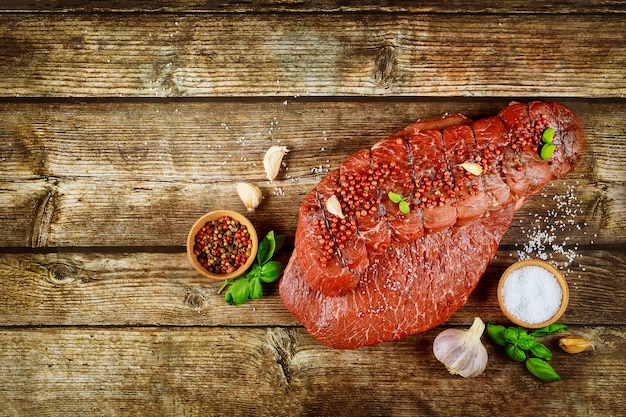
[222, 244]
[533, 293]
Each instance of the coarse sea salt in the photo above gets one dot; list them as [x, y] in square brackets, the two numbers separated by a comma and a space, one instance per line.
[543, 239]
[532, 294]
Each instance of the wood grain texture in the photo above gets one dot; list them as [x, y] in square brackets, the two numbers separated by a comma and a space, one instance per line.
[137, 173]
[104, 55]
[211, 140]
[328, 6]
[52, 213]
[123, 121]
[284, 372]
[150, 288]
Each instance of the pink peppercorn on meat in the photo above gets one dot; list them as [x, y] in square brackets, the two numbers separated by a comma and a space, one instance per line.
[376, 273]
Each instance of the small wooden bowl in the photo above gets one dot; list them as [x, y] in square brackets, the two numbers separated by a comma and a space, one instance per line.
[213, 215]
[560, 279]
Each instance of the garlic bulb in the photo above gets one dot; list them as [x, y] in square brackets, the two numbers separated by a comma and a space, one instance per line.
[272, 160]
[461, 351]
[250, 195]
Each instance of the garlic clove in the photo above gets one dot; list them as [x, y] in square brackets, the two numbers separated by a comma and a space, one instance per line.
[461, 351]
[575, 344]
[249, 194]
[472, 167]
[334, 206]
[272, 161]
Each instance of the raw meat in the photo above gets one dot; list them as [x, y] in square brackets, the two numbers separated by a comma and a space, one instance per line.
[413, 287]
[454, 224]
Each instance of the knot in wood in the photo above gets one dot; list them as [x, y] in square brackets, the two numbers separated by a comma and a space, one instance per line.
[195, 299]
[386, 66]
[62, 273]
[282, 343]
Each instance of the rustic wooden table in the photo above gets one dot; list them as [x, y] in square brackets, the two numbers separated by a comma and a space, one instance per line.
[121, 122]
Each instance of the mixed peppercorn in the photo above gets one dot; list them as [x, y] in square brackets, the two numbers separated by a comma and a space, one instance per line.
[360, 201]
[529, 136]
[222, 245]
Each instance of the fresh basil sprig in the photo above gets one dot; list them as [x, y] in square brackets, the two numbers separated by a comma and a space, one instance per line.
[263, 271]
[521, 346]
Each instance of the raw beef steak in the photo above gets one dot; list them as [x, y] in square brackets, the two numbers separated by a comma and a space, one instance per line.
[411, 288]
[415, 262]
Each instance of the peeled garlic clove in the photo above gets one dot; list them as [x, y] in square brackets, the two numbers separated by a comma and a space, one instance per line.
[250, 195]
[461, 351]
[472, 168]
[575, 344]
[334, 207]
[272, 160]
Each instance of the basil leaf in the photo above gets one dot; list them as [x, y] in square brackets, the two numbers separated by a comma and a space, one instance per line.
[396, 198]
[548, 330]
[546, 151]
[541, 351]
[271, 271]
[542, 370]
[404, 207]
[525, 341]
[547, 135]
[256, 290]
[496, 333]
[280, 242]
[515, 353]
[255, 272]
[511, 334]
[238, 293]
[266, 248]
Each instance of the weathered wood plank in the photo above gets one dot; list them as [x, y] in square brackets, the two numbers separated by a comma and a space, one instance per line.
[284, 372]
[146, 213]
[212, 141]
[137, 213]
[113, 321]
[117, 289]
[281, 6]
[178, 55]
[138, 173]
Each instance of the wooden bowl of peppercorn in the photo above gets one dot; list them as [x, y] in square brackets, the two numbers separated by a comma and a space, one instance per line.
[222, 244]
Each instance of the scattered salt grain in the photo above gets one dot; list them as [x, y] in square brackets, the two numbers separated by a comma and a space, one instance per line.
[532, 294]
[317, 170]
[542, 237]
